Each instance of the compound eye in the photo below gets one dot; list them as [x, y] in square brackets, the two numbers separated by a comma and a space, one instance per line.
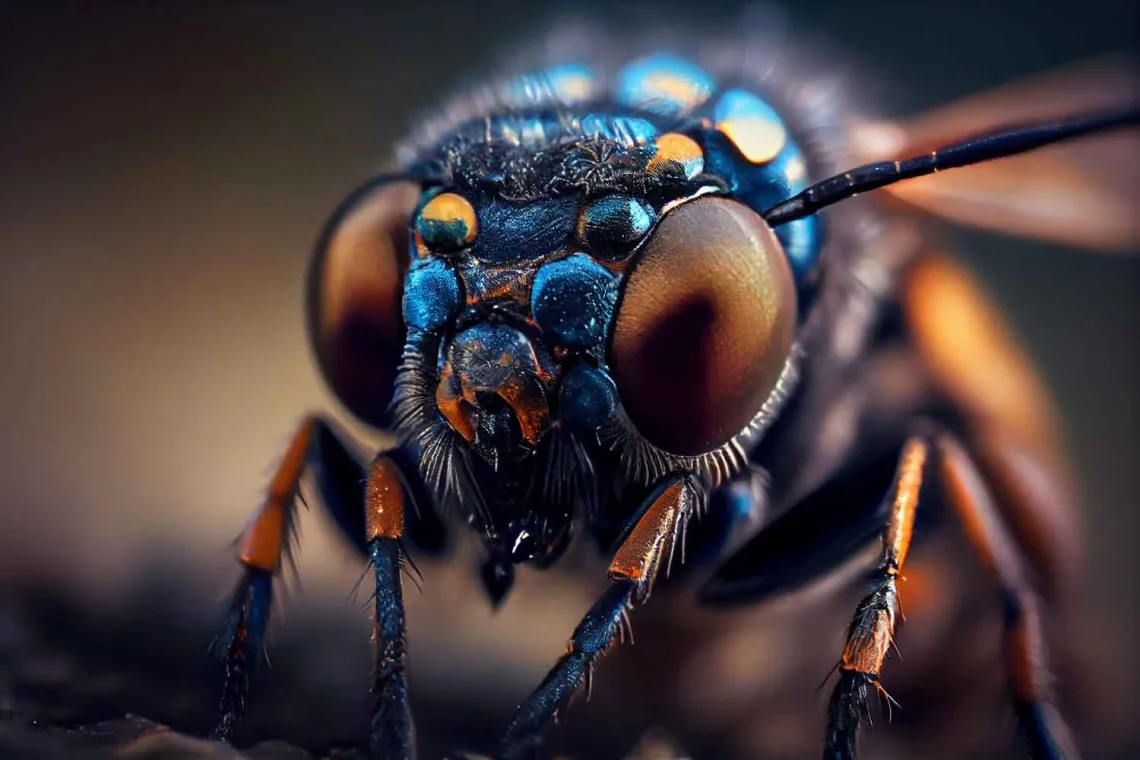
[446, 223]
[704, 326]
[355, 289]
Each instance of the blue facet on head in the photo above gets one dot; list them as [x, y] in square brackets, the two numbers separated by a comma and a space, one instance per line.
[611, 226]
[752, 125]
[488, 355]
[569, 84]
[431, 295]
[663, 84]
[572, 83]
[573, 300]
[524, 130]
[442, 234]
[762, 186]
[627, 130]
[801, 240]
[589, 398]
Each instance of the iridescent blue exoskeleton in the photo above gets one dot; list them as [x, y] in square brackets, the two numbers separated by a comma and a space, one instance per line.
[595, 299]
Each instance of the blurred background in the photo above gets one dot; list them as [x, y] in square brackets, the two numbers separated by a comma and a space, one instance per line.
[164, 170]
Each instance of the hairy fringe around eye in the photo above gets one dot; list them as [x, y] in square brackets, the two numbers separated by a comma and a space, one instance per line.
[645, 464]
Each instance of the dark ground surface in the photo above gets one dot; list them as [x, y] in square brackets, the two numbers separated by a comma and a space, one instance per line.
[75, 681]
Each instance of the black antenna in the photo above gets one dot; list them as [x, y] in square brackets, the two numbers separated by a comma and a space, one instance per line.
[973, 150]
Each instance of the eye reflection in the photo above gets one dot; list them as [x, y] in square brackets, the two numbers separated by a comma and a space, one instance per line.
[704, 326]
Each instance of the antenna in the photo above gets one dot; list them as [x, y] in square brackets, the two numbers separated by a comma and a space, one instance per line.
[973, 150]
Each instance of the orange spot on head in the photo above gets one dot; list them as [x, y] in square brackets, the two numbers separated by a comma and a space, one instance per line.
[678, 155]
[759, 140]
[752, 125]
[684, 92]
[446, 222]
[450, 207]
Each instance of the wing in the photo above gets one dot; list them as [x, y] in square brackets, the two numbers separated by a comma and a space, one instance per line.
[1082, 193]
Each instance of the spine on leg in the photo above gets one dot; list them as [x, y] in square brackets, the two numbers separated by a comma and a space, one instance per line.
[240, 643]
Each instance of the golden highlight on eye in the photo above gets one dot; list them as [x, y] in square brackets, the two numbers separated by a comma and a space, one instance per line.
[447, 222]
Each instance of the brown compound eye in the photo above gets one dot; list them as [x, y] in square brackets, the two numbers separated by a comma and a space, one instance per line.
[704, 326]
[355, 288]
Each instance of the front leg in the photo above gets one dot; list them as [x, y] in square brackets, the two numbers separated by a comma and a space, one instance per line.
[639, 558]
[392, 735]
[370, 512]
[265, 541]
[872, 629]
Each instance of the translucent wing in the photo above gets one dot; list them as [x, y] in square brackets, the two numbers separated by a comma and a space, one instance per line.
[1084, 193]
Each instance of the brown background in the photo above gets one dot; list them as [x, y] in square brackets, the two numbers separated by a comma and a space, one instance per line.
[164, 168]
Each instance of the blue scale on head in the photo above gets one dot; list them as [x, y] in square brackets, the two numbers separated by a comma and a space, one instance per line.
[570, 84]
[663, 84]
[613, 224]
[624, 129]
[512, 232]
[589, 398]
[751, 149]
[573, 299]
[431, 295]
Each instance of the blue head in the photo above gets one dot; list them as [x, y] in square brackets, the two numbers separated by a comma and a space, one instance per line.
[590, 295]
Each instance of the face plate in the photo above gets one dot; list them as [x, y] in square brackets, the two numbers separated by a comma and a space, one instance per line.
[510, 307]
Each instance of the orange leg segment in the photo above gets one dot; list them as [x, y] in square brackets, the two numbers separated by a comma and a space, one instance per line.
[266, 539]
[392, 733]
[653, 537]
[873, 627]
[648, 544]
[1026, 658]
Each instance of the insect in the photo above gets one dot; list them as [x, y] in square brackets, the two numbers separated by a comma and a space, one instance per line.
[615, 296]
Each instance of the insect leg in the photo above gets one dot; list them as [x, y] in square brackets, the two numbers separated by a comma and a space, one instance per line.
[370, 509]
[873, 626]
[339, 473]
[321, 447]
[1026, 665]
[267, 538]
[392, 734]
[649, 542]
